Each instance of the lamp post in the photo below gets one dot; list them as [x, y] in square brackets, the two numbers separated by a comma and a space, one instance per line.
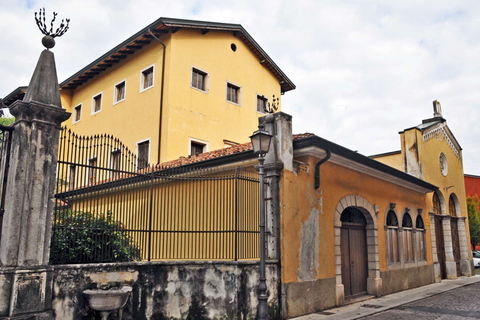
[261, 143]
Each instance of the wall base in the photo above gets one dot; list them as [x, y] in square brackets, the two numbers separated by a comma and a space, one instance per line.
[408, 278]
[451, 267]
[466, 267]
[309, 296]
[374, 286]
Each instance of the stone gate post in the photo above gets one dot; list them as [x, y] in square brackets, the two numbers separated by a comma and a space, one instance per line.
[25, 277]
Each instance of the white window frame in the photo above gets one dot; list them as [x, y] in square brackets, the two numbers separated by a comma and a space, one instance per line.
[93, 102]
[207, 79]
[75, 113]
[142, 78]
[195, 140]
[256, 101]
[149, 150]
[115, 92]
[239, 103]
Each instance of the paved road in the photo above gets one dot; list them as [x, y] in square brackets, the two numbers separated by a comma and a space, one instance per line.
[460, 303]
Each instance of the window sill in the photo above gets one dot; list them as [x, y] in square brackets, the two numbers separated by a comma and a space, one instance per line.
[199, 90]
[143, 90]
[234, 103]
[117, 102]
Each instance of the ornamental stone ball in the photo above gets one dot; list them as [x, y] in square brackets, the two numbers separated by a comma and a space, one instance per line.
[48, 42]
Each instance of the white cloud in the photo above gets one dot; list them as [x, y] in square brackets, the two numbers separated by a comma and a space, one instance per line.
[364, 70]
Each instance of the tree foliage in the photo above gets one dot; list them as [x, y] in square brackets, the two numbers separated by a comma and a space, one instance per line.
[473, 206]
[83, 237]
[4, 121]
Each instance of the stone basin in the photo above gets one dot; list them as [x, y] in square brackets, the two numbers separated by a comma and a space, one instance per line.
[106, 301]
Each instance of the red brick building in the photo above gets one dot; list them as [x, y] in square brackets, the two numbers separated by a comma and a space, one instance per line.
[472, 185]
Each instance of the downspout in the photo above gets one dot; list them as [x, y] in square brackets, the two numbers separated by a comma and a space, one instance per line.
[161, 93]
[317, 168]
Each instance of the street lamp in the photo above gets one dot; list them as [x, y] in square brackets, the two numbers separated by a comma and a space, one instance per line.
[261, 143]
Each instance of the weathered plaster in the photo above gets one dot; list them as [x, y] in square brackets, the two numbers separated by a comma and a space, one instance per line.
[309, 248]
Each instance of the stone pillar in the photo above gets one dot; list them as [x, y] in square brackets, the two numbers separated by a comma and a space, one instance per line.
[450, 263]
[279, 157]
[25, 285]
[433, 238]
[465, 260]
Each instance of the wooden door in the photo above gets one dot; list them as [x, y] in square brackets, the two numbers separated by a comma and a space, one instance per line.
[440, 246]
[456, 244]
[353, 246]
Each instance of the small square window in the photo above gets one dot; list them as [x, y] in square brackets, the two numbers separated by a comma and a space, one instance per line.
[196, 148]
[233, 93]
[262, 104]
[97, 103]
[143, 151]
[147, 78]
[77, 113]
[199, 79]
[119, 92]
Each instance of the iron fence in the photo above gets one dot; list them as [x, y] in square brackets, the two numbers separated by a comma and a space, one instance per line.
[108, 210]
[6, 134]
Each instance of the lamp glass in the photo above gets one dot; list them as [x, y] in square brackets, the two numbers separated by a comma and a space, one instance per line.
[261, 141]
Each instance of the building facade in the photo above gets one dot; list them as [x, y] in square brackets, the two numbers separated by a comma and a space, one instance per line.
[175, 88]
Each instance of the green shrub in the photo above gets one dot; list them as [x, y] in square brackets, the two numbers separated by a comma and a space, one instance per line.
[84, 237]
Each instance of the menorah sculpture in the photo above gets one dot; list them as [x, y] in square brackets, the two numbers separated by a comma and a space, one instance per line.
[48, 40]
[272, 107]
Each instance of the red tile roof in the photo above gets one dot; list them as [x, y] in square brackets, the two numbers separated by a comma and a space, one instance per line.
[218, 153]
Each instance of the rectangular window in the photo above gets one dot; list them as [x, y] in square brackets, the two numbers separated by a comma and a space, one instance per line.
[77, 113]
[97, 103]
[119, 92]
[196, 148]
[143, 150]
[233, 93]
[408, 245]
[92, 171]
[392, 248]
[147, 78]
[71, 181]
[199, 79]
[262, 104]
[115, 158]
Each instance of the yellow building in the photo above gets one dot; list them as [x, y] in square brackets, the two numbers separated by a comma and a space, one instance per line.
[175, 88]
[430, 152]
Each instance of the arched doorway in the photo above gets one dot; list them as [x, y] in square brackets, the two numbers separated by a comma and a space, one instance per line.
[438, 206]
[353, 246]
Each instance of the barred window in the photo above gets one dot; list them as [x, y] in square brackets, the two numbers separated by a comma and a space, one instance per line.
[437, 206]
[407, 226]
[392, 238]
[420, 238]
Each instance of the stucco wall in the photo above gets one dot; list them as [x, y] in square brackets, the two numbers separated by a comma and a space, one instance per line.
[165, 290]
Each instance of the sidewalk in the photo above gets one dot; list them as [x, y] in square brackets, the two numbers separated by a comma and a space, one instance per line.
[376, 305]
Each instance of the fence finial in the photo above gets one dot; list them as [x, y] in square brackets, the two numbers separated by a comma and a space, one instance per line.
[48, 40]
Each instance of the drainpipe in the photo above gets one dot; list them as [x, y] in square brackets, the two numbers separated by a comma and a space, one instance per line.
[161, 93]
[317, 168]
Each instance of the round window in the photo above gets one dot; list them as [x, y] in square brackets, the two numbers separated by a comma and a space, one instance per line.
[443, 164]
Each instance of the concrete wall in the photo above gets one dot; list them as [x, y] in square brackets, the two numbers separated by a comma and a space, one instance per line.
[408, 278]
[166, 290]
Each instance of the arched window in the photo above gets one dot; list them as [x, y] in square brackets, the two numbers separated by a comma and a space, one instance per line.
[452, 209]
[437, 206]
[392, 238]
[407, 226]
[420, 238]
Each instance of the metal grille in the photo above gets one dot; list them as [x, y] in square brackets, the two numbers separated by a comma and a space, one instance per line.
[451, 207]
[120, 213]
[6, 134]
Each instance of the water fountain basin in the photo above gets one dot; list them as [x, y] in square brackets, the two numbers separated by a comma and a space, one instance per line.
[108, 300]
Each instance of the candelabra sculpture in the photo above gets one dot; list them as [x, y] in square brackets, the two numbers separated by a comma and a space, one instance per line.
[49, 39]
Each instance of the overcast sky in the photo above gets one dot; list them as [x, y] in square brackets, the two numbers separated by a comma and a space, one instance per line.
[364, 70]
